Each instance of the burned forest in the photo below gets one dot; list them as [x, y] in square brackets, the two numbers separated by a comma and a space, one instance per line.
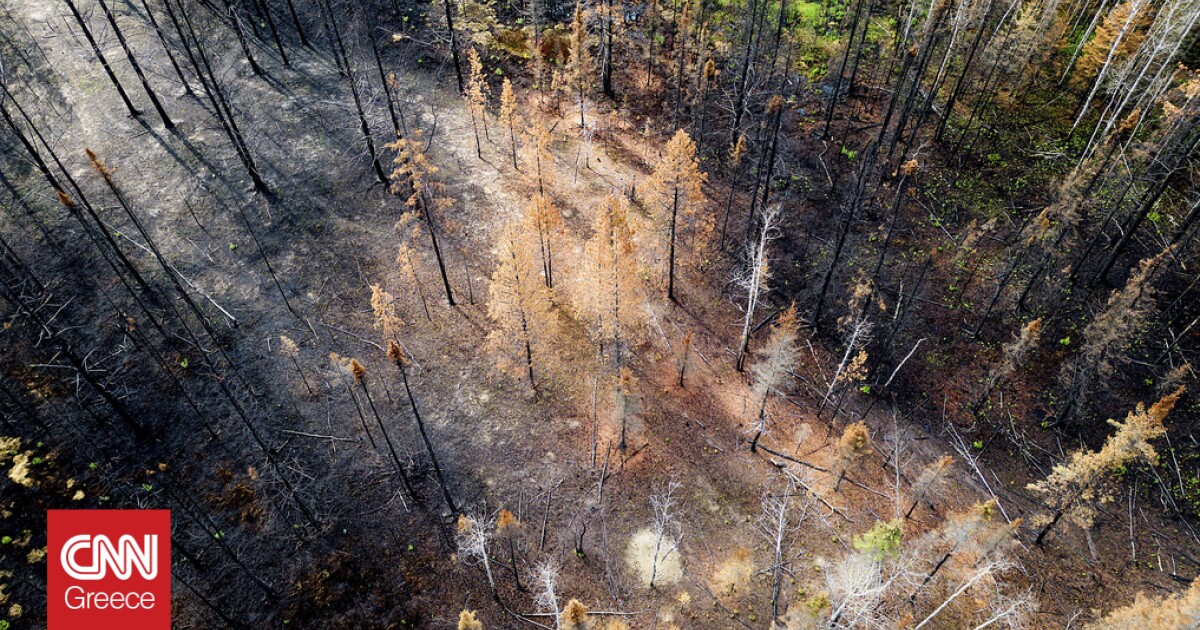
[606, 314]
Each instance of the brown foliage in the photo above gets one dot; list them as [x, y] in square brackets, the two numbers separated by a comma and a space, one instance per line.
[1074, 488]
[1116, 38]
[574, 615]
[357, 370]
[1177, 611]
[467, 621]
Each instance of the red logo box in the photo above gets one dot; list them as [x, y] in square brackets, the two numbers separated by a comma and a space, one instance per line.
[109, 570]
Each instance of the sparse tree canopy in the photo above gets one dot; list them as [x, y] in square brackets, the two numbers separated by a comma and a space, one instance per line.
[609, 290]
[779, 356]
[1075, 488]
[673, 194]
[519, 303]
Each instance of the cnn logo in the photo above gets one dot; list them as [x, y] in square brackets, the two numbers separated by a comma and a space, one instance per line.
[121, 557]
[113, 569]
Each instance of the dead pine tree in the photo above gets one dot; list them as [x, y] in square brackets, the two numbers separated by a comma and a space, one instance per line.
[137, 68]
[289, 349]
[408, 271]
[852, 447]
[87, 34]
[510, 118]
[449, 12]
[685, 347]
[508, 528]
[397, 357]
[754, 281]
[476, 97]
[609, 15]
[625, 404]
[519, 303]
[972, 534]
[580, 64]
[682, 19]
[1014, 356]
[667, 528]
[387, 81]
[545, 580]
[1108, 338]
[360, 376]
[342, 57]
[543, 218]
[417, 171]
[216, 96]
[706, 80]
[779, 356]
[779, 523]
[263, 12]
[856, 329]
[931, 478]
[240, 31]
[473, 538]
[343, 366]
[162, 38]
[610, 297]
[673, 192]
[1074, 488]
[736, 152]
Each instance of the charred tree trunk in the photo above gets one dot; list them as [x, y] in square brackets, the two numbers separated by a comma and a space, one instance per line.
[87, 34]
[137, 68]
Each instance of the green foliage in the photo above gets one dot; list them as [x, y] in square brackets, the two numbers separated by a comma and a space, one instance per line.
[882, 541]
[881, 31]
[816, 604]
[808, 13]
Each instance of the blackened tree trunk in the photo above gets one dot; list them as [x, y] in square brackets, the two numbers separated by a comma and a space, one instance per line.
[87, 34]
[1149, 203]
[212, 89]
[398, 359]
[606, 62]
[387, 438]
[743, 81]
[843, 233]
[296, 24]
[238, 30]
[162, 37]
[265, 10]
[137, 68]
[671, 255]
[837, 85]
[454, 46]
[339, 50]
[397, 117]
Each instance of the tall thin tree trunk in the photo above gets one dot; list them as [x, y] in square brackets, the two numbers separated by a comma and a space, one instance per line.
[87, 34]
[437, 468]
